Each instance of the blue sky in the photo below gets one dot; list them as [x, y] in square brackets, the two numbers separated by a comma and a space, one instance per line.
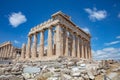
[101, 18]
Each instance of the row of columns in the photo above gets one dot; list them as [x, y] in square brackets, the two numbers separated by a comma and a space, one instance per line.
[80, 47]
[31, 52]
[6, 52]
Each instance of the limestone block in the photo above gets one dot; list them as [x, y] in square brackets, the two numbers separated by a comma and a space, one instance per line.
[75, 74]
[66, 77]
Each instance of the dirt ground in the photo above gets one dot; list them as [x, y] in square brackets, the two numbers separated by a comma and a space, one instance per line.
[110, 74]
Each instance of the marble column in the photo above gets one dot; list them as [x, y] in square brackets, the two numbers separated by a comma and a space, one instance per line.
[58, 44]
[4, 51]
[90, 54]
[14, 53]
[86, 50]
[78, 47]
[66, 45]
[54, 42]
[61, 39]
[11, 52]
[8, 55]
[23, 51]
[7, 51]
[64, 39]
[28, 51]
[50, 47]
[34, 47]
[82, 48]
[0, 52]
[73, 47]
[41, 51]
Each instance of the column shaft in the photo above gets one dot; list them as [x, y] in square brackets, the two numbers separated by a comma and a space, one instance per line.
[8, 55]
[54, 38]
[0, 52]
[14, 53]
[82, 48]
[73, 47]
[11, 52]
[23, 51]
[66, 46]
[61, 39]
[28, 51]
[41, 51]
[86, 54]
[5, 52]
[58, 44]
[50, 47]
[90, 54]
[78, 48]
[34, 47]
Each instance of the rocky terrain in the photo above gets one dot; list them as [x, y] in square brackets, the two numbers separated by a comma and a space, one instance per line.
[61, 69]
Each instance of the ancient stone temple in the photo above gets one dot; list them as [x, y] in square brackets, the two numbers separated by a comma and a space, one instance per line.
[8, 51]
[64, 39]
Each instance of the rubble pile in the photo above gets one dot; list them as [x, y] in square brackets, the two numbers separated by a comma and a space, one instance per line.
[60, 69]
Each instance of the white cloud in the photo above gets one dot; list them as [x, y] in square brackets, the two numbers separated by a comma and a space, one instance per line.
[107, 53]
[118, 37]
[86, 29]
[16, 42]
[96, 14]
[112, 43]
[119, 15]
[15, 19]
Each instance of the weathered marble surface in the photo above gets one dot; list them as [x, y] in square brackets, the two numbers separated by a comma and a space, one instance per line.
[60, 69]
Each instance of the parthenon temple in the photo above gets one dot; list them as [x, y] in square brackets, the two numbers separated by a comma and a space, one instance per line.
[8, 51]
[64, 38]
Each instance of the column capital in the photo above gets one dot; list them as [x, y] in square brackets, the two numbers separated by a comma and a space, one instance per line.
[50, 27]
[29, 36]
[42, 30]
